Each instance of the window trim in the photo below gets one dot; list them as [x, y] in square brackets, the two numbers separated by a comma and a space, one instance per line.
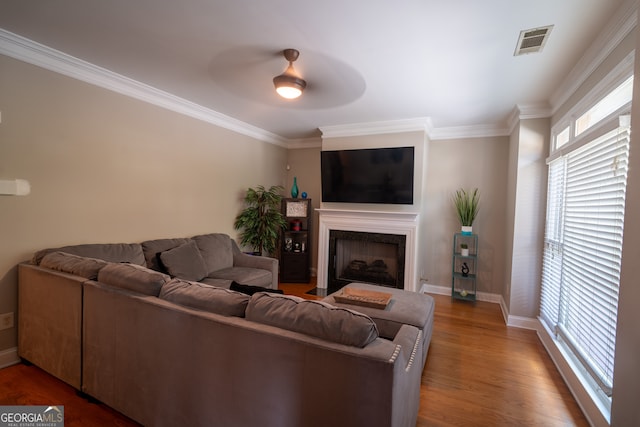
[612, 80]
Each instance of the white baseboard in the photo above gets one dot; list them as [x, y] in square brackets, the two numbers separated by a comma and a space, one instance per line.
[435, 289]
[9, 357]
[446, 290]
[523, 322]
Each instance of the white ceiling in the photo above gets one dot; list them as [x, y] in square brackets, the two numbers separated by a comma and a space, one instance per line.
[364, 61]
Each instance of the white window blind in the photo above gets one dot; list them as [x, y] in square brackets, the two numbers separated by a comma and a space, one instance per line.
[583, 250]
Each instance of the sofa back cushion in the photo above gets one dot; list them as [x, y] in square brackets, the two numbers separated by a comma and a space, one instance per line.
[184, 262]
[73, 264]
[152, 250]
[313, 318]
[134, 278]
[216, 249]
[205, 297]
[112, 252]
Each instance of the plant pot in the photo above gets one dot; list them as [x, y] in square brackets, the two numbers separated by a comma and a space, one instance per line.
[466, 230]
[464, 252]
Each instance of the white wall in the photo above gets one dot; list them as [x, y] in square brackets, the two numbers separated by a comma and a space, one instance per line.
[107, 168]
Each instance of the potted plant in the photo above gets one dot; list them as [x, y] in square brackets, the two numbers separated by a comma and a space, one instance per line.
[466, 204]
[464, 249]
[261, 220]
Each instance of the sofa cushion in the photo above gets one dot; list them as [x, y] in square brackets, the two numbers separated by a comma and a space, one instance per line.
[246, 275]
[112, 252]
[250, 289]
[205, 297]
[219, 283]
[217, 251]
[73, 264]
[184, 262]
[134, 278]
[153, 248]
[313, 318]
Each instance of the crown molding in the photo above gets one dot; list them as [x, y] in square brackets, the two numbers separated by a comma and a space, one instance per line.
[616, 30]
[528, 111]
[294, 144]
[28, 51]
[376, 128]
[463, 132]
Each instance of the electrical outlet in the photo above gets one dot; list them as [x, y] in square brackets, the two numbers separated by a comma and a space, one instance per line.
[6, 320]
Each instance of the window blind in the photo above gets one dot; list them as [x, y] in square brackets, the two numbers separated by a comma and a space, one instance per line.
[583, 250]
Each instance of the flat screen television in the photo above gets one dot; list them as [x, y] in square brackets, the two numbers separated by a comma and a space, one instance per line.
[376, 175]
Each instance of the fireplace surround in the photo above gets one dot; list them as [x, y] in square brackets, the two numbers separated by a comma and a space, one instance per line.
[403, 226]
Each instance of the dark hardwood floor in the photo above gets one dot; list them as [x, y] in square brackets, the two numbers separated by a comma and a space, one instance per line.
[479, 372]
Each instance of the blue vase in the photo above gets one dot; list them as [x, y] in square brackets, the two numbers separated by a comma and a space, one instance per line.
[294, 189]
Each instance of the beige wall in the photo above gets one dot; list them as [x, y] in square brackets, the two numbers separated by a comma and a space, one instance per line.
[525, 216]
[442, 167]
[466, 163]
[107, 168]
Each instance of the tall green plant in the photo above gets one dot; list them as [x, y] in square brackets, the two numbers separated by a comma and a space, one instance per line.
[261, 220]
[466, 204]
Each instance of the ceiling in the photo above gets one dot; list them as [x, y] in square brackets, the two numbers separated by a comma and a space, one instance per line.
[364, 61]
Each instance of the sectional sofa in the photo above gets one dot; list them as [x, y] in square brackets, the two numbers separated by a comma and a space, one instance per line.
[168, 351]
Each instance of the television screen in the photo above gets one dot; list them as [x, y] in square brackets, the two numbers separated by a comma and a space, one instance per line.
[377, 175]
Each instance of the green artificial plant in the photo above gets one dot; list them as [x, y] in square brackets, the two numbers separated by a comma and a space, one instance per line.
[261, 220]
[466, 204]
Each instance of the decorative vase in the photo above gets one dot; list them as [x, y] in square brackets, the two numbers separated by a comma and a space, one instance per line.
[294, 188]
[466, 230]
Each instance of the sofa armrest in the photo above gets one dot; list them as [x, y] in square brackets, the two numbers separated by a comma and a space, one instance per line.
[241, 259]
[409, 348]
[407, 375]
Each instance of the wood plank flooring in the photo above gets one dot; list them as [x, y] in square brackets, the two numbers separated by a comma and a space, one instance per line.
[479, 372]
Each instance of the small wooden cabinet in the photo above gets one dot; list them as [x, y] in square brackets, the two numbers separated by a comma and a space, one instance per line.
[295, 241]
[464, 266]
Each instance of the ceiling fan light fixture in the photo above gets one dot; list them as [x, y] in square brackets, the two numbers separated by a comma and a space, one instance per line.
[289, 84]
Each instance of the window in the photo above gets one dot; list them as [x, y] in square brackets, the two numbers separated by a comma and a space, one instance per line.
[583, 236]
[610, 103]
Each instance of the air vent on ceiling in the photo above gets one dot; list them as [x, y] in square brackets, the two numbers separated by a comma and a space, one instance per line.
[532, 40]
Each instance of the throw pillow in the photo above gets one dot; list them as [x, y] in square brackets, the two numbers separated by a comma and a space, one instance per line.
[252, 289]
[153, 248]
[205, 297]
[216, 249]
[185, 262]
[313, 318]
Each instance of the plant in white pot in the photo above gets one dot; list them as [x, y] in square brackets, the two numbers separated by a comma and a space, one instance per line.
[466, 204]
[464, 249]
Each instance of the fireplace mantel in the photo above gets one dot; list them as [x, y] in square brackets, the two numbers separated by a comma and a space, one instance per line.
[391, 222]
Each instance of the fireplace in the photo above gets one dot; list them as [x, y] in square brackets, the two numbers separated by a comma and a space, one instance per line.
[393, 235]
[376, 258]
